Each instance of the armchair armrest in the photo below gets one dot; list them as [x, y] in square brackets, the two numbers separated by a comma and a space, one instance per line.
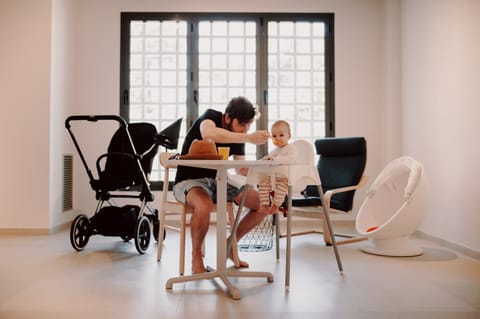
[328, 194]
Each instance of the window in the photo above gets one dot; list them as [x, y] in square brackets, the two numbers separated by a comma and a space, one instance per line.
[178, 65]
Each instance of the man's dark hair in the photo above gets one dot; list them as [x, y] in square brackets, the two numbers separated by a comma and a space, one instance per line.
[242, 109]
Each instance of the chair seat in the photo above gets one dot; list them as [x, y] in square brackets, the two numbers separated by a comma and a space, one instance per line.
[315, 201]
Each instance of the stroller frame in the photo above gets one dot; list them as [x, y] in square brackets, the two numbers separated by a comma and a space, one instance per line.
[122, 173]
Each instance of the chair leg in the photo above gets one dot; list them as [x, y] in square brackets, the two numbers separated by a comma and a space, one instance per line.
[329, 225]
[277, 235]
[327, 235]
[161, 229]
[289, 238]
[183, 226]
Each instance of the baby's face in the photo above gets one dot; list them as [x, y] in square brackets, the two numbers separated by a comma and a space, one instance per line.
[280, 135]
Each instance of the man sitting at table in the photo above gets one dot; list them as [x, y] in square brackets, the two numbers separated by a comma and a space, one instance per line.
[196, 187]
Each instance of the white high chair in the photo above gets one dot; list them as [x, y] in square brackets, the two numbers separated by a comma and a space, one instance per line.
[303, 172]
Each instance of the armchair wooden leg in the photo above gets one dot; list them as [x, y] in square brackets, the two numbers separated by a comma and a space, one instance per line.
[183, 227]
[329, 225]
[327, 237]
[161, 229]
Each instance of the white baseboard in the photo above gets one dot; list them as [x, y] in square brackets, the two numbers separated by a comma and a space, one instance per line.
[448, 244]
[33, 231]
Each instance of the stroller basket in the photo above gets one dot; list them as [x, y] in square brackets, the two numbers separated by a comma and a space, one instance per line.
[115, 221]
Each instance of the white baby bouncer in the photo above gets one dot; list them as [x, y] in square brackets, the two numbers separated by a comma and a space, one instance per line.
[387, 216]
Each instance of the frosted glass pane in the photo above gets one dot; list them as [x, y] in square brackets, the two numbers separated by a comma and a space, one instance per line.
[152, 95]
[204, 61]
[136, 78]
[303, 46]
[236, 62]
[169, 61]
[303, 29]
[168, 95]
[152, 62]
[152, 28]
[219, 78]
[169, 28]
[219, 45]
[136, 28]
[169, 78]
[303, 78]
[204, 28]
[286, 28]
[236, 78]
[236, 28]
[303, 62]
[152, 78]
[152, 45]
[136, 61]
[236, 45]
[219, 28]
[204, 45]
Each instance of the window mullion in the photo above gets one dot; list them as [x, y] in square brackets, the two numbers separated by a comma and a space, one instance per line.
[262, 81]
[192, 73]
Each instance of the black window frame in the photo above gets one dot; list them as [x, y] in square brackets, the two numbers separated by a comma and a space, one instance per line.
[262, 65]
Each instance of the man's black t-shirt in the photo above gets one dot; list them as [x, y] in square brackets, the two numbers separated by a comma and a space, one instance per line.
[184, 172]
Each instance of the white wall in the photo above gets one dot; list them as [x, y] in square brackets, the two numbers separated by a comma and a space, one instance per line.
[25, 28]
[61, 92]
[388, 61]
[441, 110]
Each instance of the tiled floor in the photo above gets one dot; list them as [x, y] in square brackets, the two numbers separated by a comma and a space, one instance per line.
[43, 277]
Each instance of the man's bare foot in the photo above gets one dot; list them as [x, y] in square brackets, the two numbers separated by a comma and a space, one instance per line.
[236, 260]
[197, 266]
[240, 264]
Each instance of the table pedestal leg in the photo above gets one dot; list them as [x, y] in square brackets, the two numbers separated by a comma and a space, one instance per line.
[222, 271]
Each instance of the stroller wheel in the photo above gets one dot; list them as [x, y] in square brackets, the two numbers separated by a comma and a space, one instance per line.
[155, 227]
[80, 232]
[143, 233]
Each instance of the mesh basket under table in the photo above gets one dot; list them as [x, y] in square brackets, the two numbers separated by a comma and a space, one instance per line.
[259, 238]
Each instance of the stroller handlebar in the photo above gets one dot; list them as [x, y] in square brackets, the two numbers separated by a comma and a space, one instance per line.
[95, 118]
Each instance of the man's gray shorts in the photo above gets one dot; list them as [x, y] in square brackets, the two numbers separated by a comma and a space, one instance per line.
[208, 184]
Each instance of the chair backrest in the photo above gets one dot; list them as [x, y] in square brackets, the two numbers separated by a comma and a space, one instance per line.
[304, 154]
[341, 163]
[168, 137]
[402, 174]
[164, 156]
[303, 172]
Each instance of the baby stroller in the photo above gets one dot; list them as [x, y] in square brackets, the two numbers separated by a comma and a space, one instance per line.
[122, 172]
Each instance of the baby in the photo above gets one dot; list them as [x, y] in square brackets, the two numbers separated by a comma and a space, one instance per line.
[284, 153]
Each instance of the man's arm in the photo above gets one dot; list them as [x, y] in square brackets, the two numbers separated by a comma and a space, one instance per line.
[221, 135]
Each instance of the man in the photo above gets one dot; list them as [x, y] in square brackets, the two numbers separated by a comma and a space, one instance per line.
[197, 187]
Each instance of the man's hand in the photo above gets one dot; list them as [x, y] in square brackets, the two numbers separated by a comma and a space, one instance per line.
[258, 137]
